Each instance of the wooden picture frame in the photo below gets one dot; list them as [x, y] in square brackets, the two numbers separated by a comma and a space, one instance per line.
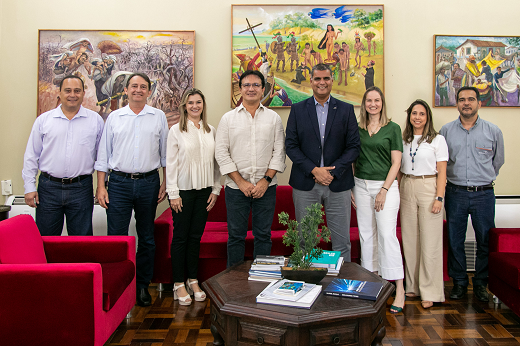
[277, 40]
[489, 63]
[104, 59]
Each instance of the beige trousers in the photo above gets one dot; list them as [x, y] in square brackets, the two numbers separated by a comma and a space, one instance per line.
[422, 238]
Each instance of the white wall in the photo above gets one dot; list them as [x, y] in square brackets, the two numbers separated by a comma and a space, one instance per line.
[409, 30]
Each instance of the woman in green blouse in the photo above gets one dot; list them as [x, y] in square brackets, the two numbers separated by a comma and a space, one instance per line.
[376, 194]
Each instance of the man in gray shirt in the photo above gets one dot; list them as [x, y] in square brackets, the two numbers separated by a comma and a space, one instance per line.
[476, 149]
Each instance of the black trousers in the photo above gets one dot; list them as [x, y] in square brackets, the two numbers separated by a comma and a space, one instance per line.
[188, 227]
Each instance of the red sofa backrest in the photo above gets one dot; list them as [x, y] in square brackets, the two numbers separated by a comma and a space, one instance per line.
[20, 241]
[284, 202]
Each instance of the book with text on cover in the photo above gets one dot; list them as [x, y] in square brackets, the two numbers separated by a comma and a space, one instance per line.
[328, 259]
[304, 299]
[353, 289]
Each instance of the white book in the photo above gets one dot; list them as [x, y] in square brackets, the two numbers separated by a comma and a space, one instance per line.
[263, 279]
[304, 302]
[335, 271]
[270, 292]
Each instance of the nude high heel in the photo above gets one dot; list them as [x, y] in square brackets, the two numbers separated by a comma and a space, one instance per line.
[186, 300]
[199, 296]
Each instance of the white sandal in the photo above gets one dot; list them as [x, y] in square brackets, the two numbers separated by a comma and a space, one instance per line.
[186, 300]
[199, 296]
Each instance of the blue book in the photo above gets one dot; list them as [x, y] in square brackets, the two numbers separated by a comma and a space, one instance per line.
[328, 259]
[353, 289]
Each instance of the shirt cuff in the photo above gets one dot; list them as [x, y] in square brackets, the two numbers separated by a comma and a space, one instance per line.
[30, 188]
[216, 189]
[277, 166]
[101, 166]
[173, 193]
[226, 169]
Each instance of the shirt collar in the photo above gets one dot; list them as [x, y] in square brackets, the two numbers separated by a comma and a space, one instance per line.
[127, 111]
[316, 102]
[191, 123]
[239, 108]
[59, 113]
[474, 125]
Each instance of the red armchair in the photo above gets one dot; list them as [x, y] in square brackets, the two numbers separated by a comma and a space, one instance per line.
[62, 290]
[504, 266]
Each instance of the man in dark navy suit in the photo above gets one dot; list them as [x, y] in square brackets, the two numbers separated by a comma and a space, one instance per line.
[323, 141]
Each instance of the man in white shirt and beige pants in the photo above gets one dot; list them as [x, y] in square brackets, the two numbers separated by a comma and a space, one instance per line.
[250, 151]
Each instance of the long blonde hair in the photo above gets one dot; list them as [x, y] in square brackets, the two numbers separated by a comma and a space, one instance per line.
[183, 122]
[363, 114]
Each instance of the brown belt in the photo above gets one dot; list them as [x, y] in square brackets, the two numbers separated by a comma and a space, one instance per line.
[420, 176]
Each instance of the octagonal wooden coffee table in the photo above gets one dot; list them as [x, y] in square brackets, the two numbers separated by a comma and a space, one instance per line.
[236, 318]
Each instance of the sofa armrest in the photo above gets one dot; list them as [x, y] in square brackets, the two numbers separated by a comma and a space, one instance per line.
[89, 249]
[504, 240]
[59, 301]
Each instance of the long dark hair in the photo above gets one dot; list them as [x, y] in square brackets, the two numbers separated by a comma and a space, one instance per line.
[322, 44]
[429, 132]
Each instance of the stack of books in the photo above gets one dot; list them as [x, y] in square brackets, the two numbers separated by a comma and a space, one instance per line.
[267, 268]
[284, 292]
[353, 289]
[331, 260]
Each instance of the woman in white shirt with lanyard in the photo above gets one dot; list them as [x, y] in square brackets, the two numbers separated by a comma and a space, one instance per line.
[422, 181]
[192, 184]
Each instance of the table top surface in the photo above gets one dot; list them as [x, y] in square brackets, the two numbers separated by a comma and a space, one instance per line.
[234, 294]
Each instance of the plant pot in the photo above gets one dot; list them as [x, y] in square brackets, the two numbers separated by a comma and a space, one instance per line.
[312, 275]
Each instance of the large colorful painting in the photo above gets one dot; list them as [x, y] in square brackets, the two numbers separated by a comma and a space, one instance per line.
[284, 42]
[105, 60]
[488, 63]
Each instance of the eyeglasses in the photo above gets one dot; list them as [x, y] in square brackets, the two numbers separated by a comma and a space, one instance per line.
[254, 85]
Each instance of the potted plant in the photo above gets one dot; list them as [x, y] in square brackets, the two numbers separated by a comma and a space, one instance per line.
[305, 244]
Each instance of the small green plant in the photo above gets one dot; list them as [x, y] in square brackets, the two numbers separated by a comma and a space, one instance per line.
[304, 244]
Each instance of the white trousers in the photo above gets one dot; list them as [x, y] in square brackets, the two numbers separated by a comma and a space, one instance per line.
[380, 250]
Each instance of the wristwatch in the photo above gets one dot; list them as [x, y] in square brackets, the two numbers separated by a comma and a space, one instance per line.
[440, 199]
[268, 178]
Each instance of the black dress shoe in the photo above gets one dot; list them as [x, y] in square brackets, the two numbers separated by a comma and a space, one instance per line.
[480, 292]
[143, 297]
[458, 292]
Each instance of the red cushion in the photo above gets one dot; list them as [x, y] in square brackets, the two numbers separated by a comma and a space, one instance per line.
[506, 265]
[20, 241]
[216, 227]
[117, 276]
[218, 212]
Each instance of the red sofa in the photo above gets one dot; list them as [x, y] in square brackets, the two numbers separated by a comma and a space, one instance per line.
[504, 266]
[62, 290]
[213, 247]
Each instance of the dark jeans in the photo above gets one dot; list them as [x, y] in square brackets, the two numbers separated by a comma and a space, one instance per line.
[188, 227]
[140, 195]
[238, 208]
[481, 206]
[75, 201]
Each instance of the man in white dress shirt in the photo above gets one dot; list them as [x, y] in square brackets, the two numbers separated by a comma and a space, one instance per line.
[250, 150]
[63, 145]
[132, 148]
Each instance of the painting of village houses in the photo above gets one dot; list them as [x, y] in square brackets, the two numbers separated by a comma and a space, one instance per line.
[105, 59]
[489, 64]
[284, 42]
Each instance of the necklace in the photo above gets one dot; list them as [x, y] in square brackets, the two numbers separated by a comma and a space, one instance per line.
[371, 133]
[413, 155]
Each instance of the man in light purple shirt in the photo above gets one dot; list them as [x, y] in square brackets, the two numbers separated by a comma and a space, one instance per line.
[132, 148]
[63, 146]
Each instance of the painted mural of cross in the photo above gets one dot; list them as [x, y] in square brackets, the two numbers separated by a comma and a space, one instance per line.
[250, 28]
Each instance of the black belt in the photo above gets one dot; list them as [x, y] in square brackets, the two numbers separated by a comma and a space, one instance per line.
[472, 188]
[134, 175]
[66, 180]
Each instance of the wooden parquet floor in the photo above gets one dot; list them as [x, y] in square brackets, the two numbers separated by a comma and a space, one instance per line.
[454, 322]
